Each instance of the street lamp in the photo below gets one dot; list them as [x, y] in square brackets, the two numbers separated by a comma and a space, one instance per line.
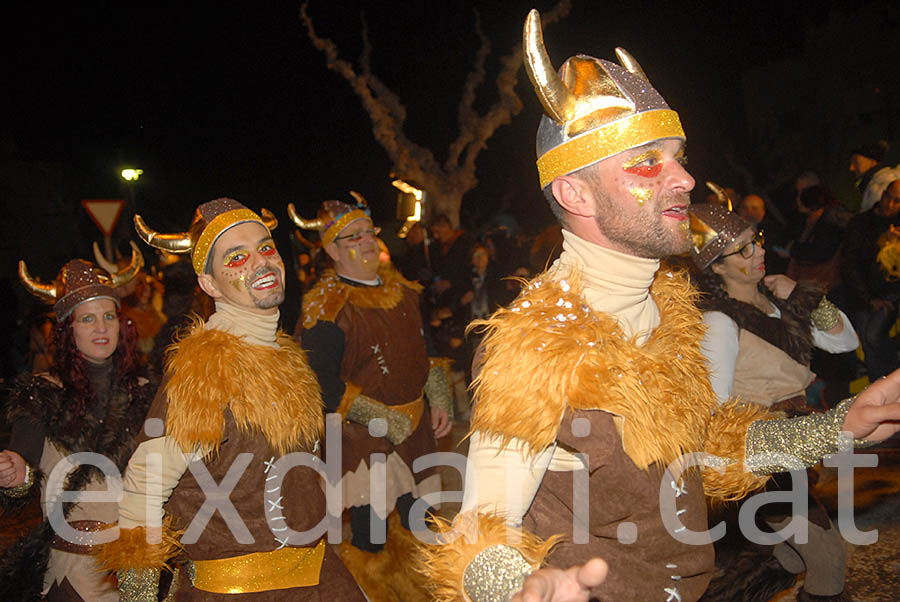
[415, 215]
[132, 174]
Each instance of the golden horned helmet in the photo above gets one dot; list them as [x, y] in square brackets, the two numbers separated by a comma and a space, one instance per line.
[211, 219]
[79, 281]
[593, 108]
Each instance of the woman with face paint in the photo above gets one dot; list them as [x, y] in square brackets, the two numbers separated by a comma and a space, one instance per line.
[758, 345]
[91, 400]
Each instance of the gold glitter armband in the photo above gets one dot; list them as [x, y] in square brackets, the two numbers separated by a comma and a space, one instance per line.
[825, 316]
[138, 585]
[495, 574]
[23, 489]
[437, 389]
[795, 443]
[365, 409]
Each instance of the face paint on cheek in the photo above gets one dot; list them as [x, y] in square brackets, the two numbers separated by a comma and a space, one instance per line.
[743, 271]
[641, 194]
[353, 254]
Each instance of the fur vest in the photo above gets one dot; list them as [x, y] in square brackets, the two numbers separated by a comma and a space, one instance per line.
[23, 564]
[791, 333]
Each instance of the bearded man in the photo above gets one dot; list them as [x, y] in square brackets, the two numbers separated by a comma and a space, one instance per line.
[237, 398]
[592, 388]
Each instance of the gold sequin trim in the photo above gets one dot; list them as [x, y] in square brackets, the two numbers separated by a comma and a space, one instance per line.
[342, 222]
[261, 571]
[138, 585]
[794, 443]
[825, 316]
[21, 490]
[495, 574]
[219, 224]
[607, 141]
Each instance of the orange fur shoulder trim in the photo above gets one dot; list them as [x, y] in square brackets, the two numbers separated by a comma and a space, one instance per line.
[326, 299]
[131, 550]
[549, 351]
[269, 390]
[730, 424]
[444, 564]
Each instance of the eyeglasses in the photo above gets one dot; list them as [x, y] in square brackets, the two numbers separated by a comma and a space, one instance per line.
[358, 236]
[748, 248]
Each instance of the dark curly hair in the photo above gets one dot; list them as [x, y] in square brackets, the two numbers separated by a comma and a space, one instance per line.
[69, 365]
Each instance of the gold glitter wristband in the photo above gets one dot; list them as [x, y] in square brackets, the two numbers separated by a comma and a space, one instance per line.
[795, 443]
[437, 389]
[495, 574]
[23, 489]
[365, 409]
[825, 316]
[138, 585]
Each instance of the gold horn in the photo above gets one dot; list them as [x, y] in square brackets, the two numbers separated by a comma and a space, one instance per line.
[46, 292]
[173, 243]
[360, 199]
[557, 99]
[306, 224]
[720, 193]
[269, 219]
[102, 261]
[631, 65]
[127, 274]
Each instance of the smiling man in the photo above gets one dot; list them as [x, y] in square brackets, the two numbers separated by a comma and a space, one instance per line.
[592, 382]
[238, 396]
[362, 331]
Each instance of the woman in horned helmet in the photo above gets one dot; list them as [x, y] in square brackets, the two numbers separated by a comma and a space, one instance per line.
[91, 400]
[758, 344]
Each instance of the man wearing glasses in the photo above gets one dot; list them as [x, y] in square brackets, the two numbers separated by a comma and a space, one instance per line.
[362, 331]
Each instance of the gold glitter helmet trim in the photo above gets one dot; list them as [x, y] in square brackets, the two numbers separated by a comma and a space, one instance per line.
[332, 217]
[211, 220]
[79, 281]
[593, 109]
[714, 227]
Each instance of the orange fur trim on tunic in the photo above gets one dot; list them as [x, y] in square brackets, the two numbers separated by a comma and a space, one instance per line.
[550, 351]
[269, 390]
[326, 299]
[444, 564]
[350, 393]
[728, 436]
[131, 550]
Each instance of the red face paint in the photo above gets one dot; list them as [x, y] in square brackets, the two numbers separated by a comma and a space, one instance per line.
[237, 260]
[645, 171]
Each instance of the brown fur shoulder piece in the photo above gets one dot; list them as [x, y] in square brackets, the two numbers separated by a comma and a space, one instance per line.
[445, 562]
[268, 390]
[549, 351]
[326, 299]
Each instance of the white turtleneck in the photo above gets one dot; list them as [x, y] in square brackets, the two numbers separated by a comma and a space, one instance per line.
[613, 283]
[254, 328]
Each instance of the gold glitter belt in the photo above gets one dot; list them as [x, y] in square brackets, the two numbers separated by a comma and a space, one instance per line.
[84, 533]
[260, 571]
[413, 409]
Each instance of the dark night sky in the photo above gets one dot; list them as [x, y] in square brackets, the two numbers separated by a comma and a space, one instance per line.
[215, 99]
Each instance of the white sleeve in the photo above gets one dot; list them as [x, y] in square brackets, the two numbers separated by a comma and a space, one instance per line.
[153, 472]
[720, 347]
[845, 340]
[502, 481]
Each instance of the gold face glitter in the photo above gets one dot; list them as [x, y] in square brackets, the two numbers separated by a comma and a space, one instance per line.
[641, 194]
[219, 224]
[650, 154]
[607, 141]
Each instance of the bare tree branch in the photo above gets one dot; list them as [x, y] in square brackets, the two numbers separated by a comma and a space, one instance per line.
[447, 182]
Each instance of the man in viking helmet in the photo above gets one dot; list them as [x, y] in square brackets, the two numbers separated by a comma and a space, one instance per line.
[362, 330]
[217, 448]
[592, 388]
